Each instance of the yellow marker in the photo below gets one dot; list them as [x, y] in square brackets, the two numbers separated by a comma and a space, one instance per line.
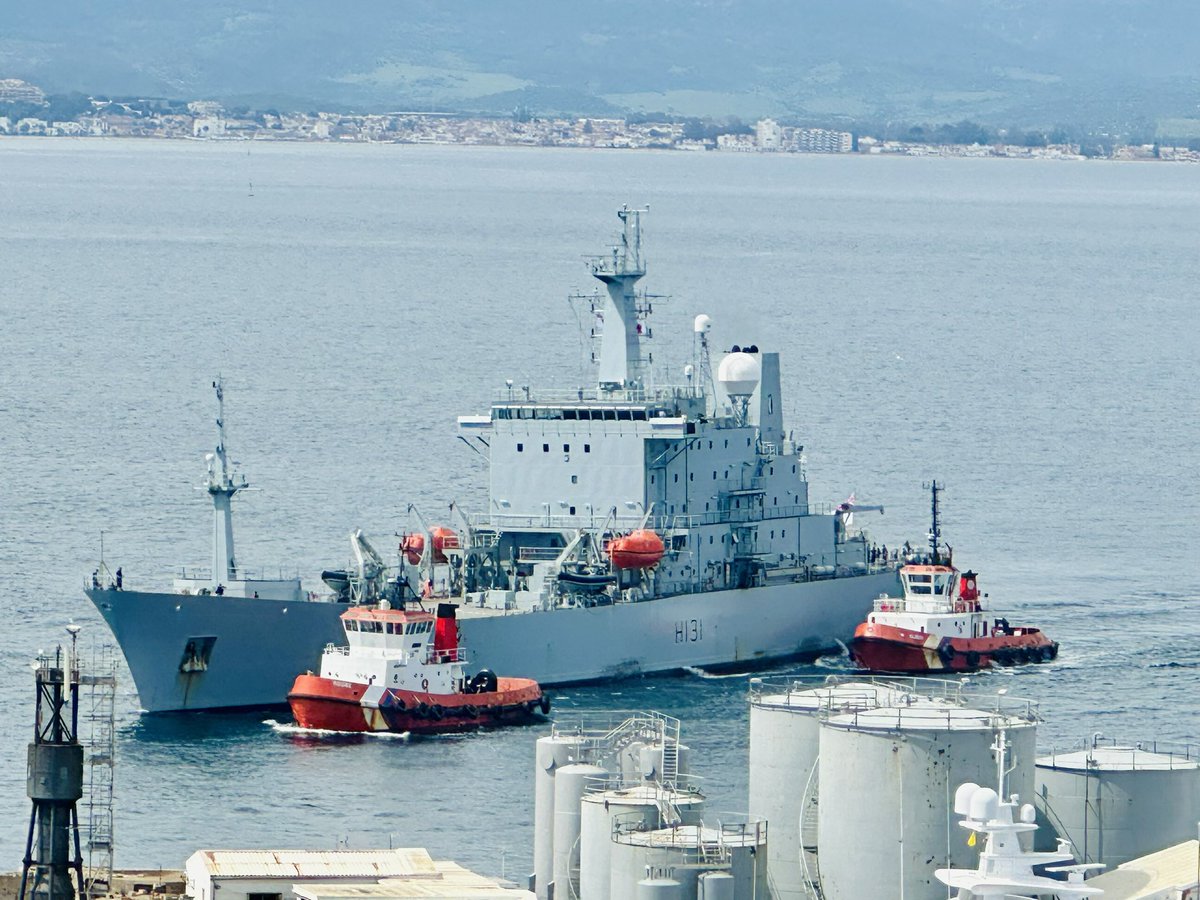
[971, 840]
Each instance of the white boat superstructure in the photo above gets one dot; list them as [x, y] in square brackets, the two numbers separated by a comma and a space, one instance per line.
[1006, 870]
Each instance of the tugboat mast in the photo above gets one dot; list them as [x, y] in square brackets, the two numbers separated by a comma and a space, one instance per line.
[621, 364]
[222, 484]
[935, 530]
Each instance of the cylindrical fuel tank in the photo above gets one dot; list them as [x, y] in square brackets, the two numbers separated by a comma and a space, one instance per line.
[1118, 803]
[784, 747]
[570, 785]
[552, 753]
[651, 761]
[715, 886]
[678, 850]
[637, 808]
[888, 778]
[659, 889]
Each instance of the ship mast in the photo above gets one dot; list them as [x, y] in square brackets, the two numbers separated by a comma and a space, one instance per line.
[935, 529]
[222, 484]
[621, 365]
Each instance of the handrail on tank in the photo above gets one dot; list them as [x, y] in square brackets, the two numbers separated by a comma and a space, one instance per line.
[1176, 752]
[917, 699]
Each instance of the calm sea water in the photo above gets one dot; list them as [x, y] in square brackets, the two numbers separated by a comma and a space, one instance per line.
[1024, 331]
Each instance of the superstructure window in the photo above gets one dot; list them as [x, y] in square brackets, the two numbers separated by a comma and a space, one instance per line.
[574, 479]
[566, 448]
[351, 625]
[520, 447]
[545, 448]
[587, 448]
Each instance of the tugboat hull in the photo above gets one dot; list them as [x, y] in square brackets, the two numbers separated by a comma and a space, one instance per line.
[332, 705]
[888, 649]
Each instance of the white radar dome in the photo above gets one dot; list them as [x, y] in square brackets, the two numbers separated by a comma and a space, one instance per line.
[702, 324]
[739, 374]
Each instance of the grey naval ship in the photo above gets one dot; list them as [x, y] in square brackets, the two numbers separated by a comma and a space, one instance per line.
[631, 527]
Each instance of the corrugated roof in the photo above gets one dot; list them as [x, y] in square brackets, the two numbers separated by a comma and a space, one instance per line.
[451, 882]
[1150, 875]
[303, 864]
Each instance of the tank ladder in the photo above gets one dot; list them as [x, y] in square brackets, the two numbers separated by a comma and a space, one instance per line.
[808, 833]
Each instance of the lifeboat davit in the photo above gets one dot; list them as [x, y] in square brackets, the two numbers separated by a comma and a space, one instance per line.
[413, 545]
[640, 549]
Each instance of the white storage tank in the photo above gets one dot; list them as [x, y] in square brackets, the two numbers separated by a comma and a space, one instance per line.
[636, 808]
[651, 756]
[679, 850]
[784, 747]
[888, 778]
[659, 889]
[571, 782]
[715, 886]
[1119, 803]
[551, 754]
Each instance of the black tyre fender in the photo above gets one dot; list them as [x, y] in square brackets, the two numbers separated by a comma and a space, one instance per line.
[437, 712]
[544, 705]
[945, 652]
[1054, 650]
[470, 712]
[973, 659]
[421, 711]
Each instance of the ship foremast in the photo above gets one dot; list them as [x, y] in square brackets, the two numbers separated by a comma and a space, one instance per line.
[222, 483]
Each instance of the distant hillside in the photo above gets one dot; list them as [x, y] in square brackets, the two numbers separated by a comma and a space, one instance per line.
[1027, 62]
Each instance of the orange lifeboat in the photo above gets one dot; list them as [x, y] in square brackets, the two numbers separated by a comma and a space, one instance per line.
[413, 545]
[443, 539]
[413, 548]
[641, 549]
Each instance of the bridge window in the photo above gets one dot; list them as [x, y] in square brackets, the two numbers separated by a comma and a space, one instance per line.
[351, 625]
[625, 415]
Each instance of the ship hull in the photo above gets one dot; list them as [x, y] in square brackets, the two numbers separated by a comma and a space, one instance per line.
[260, 646]
[330, 705]
[888, 649]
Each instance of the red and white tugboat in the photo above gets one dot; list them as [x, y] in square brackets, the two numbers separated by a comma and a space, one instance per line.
[404, 671]
[940, 625]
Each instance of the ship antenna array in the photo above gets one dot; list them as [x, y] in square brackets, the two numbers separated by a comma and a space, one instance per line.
[223, 480]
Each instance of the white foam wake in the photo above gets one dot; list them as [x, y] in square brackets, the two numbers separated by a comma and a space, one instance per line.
[293, 728]
[712, 676]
